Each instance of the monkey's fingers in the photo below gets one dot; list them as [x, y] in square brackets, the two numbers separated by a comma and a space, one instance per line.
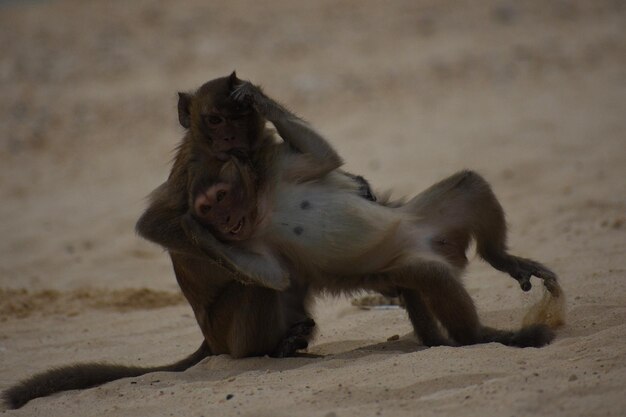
[549, 278]
[519, 270]
[542, 272]
[303, 328]
[244, 93]
[524, 283]
[552, 285]
[297, 338]
[289, 346]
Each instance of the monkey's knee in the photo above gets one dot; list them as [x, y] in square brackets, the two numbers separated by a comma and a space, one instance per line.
[469, 179]
[424, 323]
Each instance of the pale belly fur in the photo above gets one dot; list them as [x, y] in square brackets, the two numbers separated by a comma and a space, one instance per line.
[334, 228]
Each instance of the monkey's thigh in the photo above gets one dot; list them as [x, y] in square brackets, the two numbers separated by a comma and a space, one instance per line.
[300, 326]
[260, 320]
[246, 321]
[436, 289]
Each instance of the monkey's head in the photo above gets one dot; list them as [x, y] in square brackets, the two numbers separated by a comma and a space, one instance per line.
[218, 122]
[228, 206]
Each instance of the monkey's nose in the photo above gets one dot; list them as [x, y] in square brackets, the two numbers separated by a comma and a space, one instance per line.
[204, 209]
[202, 205]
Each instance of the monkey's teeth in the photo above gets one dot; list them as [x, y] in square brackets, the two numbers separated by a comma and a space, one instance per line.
[237, 227]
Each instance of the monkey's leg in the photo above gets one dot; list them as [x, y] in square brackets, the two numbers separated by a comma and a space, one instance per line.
[464, 204]
[440, 295]
[160, 223]
[452, 305]
[267, 325]
[423, 321]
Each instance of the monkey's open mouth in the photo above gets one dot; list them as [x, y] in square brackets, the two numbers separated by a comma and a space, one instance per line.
[238, 226]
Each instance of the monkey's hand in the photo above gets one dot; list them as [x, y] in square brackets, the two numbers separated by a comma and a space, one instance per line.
[263, 269]
[299, 134]
[246, 93]
[251, 95]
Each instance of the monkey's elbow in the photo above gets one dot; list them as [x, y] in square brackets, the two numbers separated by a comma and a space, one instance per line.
[334, 161]
[142, 227]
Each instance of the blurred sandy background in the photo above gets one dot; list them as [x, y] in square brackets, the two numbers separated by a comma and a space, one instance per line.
[531, 94]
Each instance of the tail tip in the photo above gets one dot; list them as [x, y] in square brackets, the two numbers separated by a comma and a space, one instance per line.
[535, 335]
[12, 399]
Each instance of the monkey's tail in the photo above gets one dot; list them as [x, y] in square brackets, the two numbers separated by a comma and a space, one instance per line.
[534, 335]
[86, 375]
[537, 326]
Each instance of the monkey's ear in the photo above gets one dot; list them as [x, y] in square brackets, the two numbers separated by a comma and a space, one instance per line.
[233, 81]
[184, 109]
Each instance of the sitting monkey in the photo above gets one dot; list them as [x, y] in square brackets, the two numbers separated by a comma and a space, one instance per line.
[275, 323]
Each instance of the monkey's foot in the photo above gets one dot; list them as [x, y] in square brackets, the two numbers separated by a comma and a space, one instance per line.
[522, 269]
[296, 338]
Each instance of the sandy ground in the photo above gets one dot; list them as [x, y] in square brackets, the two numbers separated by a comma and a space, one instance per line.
[530, 94]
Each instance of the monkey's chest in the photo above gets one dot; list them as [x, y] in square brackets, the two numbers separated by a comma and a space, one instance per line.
[327, 226]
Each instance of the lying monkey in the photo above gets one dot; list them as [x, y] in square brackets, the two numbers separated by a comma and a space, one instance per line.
[307, 218]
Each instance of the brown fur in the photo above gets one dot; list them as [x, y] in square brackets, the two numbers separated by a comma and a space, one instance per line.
[277, 323]
[213, 291]
[383, 254]
[237, 319]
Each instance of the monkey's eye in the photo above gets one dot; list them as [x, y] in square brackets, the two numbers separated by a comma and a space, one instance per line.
[213, 119]
[220, 195]
[205, 209]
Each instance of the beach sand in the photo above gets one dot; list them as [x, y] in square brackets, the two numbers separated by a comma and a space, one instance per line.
[532, 95]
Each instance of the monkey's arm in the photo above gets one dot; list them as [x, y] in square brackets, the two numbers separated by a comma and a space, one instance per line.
[160, 223]
[319, 157]
[261, 268]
